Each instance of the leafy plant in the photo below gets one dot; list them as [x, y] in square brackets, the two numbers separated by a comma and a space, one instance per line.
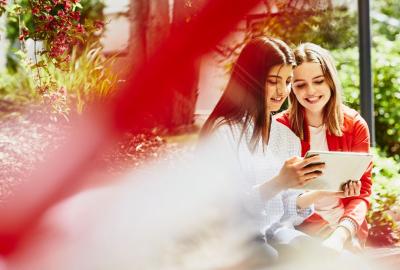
[90, 77]
[384, 212]
[69, 34]
[386, 81]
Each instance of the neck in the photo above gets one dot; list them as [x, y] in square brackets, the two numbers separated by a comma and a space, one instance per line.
[315, 119]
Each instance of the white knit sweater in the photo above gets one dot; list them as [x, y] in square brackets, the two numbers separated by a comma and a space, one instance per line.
[260, 166]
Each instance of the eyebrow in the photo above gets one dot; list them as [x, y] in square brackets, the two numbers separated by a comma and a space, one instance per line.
[317, 77]
[277, 76]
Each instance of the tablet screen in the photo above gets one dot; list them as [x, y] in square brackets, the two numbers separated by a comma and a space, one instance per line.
[339, 168]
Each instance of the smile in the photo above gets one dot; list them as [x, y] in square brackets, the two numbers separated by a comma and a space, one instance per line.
[277, 99]
[313, 99]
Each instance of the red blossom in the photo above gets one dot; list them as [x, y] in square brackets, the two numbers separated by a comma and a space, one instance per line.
[60, 30]
[80, 28]
[62, 90]
[99, 24]
[76, 15]
[35, 10]
[48, 8]
[67, 5]
[61, 13]
[25, 31]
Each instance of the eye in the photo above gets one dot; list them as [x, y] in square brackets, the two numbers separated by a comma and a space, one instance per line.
[299, 85]
[272, 81]
[319, 81]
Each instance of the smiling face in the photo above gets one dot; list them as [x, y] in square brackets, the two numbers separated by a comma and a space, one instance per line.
[311, 87]
[277, 86]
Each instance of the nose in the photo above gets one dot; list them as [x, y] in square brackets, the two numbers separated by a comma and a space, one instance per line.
[282, 89]
[310, 90]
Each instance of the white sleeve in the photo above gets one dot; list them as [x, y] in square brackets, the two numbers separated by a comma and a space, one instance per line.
[293, 213]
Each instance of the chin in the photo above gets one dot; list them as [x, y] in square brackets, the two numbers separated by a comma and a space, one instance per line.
[315, 109]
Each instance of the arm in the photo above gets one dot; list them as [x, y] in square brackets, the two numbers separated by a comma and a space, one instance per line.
[292, 211]
[294, 173]
[310, 197]
[356, 207]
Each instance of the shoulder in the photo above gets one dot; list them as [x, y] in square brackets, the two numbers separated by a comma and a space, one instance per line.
[279, 127]
[284, 138]
[283, 118]
[353, 121]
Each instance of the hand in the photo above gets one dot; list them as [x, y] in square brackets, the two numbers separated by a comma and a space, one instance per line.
[298, 171]
[337, 239]
[295, 172]
[351, 188]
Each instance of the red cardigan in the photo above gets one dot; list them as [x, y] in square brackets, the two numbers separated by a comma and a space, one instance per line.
[355, 138]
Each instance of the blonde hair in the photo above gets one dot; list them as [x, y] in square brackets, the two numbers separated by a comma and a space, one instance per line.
[333, 113]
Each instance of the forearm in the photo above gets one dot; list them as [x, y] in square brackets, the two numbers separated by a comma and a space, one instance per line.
[310, 197]
[270, 188]
[356, 209]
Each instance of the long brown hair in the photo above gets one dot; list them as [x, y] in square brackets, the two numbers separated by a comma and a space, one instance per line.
[243, 101]
[333, 113]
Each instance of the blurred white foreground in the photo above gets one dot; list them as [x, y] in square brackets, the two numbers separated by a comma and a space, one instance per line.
[187, 217]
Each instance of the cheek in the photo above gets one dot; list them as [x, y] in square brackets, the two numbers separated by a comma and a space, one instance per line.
[326, 91]
[297, 93]
[269, 90]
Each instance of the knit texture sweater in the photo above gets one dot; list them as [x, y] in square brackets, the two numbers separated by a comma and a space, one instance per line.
[260, 166]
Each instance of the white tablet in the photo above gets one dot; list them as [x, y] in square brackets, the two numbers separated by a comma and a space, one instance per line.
[340, 167]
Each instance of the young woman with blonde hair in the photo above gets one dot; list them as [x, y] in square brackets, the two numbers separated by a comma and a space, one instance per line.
[319, 118]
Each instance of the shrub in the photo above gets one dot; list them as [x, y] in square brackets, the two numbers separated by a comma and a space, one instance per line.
[386, 81]
[384, 213]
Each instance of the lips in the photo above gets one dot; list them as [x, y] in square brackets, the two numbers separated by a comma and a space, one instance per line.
[313, 99]
[277, 99]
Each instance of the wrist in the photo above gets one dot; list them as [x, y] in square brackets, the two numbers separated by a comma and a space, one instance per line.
[270, 188]
[342, 233]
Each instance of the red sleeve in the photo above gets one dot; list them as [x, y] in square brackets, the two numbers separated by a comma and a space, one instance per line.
[283, 118]
[357, 207]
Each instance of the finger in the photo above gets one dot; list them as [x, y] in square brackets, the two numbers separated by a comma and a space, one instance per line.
[354, 188]
[310, 176]
[309, 160]
[359, 187]
[293, 160]
[312, 168]
[346, 190]
[351, 189]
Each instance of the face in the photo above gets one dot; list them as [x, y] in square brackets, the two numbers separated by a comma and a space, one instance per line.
[310, 87]
[278, 86]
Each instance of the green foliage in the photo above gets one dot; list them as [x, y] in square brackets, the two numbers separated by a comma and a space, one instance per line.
[391, 10]
[386, 81]
[18, 86]
[385, 202]
[89, 78]
[61, 25]
[319, 27]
